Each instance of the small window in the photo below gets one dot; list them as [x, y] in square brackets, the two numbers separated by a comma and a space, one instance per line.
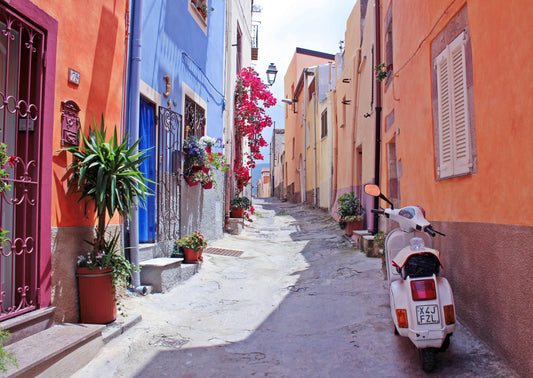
[388, 47]
[194, 119]
[324, 124]
[454, 136]
[198, 11]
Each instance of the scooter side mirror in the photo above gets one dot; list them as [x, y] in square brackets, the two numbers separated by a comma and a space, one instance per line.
[372, 190]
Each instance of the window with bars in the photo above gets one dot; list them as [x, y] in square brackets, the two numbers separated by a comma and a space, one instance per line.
[194, 119]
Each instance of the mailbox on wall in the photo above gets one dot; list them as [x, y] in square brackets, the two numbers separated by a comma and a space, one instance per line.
[70, 123]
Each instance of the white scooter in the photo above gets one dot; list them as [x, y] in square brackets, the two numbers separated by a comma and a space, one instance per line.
[422, 305]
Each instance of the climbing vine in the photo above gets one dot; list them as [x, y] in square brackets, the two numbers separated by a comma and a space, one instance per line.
[252, 97]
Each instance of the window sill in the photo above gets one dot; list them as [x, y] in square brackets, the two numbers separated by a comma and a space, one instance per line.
[198, 17]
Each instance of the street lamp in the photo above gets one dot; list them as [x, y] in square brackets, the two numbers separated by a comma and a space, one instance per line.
[271, 74]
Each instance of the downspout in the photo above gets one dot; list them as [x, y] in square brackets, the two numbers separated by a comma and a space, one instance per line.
[304, 118]
[377, 159]
[314, 149]
[135, 94]
[354, 117]
[335, 148]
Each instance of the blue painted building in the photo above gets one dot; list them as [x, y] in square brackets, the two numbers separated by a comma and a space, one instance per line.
[176, 89]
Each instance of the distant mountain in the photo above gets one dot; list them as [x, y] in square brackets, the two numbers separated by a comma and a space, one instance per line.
[256, 175]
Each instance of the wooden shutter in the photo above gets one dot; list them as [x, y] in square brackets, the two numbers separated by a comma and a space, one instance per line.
[445, 168]
[462, 150]
[454, 129]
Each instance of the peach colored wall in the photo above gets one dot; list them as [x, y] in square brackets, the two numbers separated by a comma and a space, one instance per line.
[90, 40]
[502, 183]
[484, 214]
[293, 120]
[346, 114]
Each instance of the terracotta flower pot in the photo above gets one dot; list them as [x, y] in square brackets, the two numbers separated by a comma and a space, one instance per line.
[96, 295]
[237, 212]
[352, 226]
[191, 256]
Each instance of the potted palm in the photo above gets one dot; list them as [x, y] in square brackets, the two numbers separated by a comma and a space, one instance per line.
[350, 213]
[105, 174]
[193, 246]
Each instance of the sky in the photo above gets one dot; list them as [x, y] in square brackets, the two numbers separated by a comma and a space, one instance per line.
[286, 24]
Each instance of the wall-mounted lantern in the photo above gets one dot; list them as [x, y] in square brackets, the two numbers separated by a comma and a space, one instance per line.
[70, 123]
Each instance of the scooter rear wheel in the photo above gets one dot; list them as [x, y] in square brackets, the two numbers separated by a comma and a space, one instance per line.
[427, 359]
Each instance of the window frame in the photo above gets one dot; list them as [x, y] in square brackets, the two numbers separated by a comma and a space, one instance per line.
[455, 149]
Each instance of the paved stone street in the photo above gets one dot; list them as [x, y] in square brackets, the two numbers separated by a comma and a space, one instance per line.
[299, 302]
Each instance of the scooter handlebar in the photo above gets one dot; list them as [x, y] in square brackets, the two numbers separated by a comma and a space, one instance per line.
[432, 232]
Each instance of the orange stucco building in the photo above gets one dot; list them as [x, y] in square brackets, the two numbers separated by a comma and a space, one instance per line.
[443, 129]
[64, 63]
[455, 141]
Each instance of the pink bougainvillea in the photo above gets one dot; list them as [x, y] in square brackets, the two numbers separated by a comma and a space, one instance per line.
[252, 97]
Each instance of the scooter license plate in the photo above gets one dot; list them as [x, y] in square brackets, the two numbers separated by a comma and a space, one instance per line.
[427, 314]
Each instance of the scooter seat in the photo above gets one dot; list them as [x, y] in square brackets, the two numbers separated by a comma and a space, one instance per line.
[401, 258]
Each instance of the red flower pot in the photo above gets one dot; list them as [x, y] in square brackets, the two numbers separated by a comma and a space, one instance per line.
[96, 295]
[352, 226]
[197, 168]
[205, 169]
[191, 256]
[190, 181]
[207, 185]
[237, 212]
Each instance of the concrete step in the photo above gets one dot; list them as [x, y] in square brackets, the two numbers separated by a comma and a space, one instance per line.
[357, 237]
[367, 243]
[28, 324]
[163, 273]
[147, 251]
[58, 351]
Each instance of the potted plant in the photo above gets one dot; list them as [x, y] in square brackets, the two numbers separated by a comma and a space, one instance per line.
[203, 178]
[350, 213]
[239, 205]
[194, 158]
[193, 246]
[106, 174]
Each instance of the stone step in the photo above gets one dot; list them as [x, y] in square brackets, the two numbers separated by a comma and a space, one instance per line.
[163, 273]
[146, 251]
[357, 237]
[28, 324]
[367, 243]
[58, 351]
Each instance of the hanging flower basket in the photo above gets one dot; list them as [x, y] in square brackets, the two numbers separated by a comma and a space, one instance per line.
[207, 185]
[190, 181]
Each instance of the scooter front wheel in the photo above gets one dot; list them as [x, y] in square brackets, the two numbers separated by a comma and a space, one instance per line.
[427, 359]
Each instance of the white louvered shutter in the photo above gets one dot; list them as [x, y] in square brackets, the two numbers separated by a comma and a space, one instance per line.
[445, 168]
[454, 137]
[462, 161]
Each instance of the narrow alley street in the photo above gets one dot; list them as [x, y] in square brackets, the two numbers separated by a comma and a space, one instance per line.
[299, 301]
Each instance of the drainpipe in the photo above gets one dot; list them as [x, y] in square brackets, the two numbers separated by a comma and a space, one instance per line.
[314, 145]
[135, 94]
[377, 159]
[304, 117]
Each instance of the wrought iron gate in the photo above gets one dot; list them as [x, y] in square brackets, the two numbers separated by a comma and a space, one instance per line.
[168, 170]
[21, 85]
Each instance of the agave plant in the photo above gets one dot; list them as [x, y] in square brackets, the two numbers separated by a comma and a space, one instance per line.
[107, 174]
